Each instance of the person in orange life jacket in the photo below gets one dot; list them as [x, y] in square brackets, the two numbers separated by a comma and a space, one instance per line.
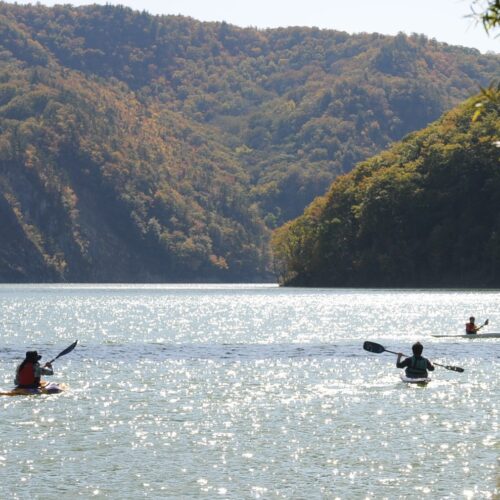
[29, 372]
[416, 366]
[470, 327]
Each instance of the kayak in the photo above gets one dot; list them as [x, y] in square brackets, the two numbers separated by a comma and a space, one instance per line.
[472, 336]
[45, 388]
[415, 381]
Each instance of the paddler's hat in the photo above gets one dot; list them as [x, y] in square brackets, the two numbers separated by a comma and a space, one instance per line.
[33, 356]
[472, 318]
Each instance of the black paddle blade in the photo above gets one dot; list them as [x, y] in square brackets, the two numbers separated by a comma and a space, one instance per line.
[373, 347]
[453, 368]
[66, 351]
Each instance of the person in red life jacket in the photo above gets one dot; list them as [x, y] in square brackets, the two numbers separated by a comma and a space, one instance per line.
[416, 366]
[470, 327]
[29, 372]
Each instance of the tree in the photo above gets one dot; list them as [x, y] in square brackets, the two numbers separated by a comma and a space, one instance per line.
[489, 15]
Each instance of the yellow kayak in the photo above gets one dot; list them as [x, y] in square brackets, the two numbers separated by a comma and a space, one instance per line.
[45, 388]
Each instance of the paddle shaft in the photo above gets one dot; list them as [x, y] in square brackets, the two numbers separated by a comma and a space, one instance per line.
[448, 367]
[484, 324]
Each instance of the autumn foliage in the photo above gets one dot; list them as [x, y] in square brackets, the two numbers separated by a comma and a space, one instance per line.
[157, 148]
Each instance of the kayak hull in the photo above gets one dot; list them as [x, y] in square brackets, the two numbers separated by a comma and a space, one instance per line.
[472, 336]
[45, 388]
[415, 381]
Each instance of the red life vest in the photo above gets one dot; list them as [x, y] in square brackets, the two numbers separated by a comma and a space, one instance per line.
[470, 328]
[26, 375]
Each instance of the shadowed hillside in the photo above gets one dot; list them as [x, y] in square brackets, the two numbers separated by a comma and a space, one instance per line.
[423, 213]
[147, 148]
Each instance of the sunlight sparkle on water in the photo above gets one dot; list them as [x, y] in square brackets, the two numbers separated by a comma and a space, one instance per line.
[247, 391]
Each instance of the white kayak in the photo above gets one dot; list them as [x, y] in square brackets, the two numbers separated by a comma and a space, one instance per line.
[472, 336]
[416, 381]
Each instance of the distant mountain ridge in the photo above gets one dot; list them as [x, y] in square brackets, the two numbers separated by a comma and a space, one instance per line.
[159, 148]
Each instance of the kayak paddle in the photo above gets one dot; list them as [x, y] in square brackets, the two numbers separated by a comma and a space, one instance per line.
[66, 351]
[377, 348]
[484, 324]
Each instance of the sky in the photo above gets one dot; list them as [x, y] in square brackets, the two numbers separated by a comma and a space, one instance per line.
[445, 20]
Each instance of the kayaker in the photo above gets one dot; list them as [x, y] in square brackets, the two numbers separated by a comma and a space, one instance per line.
[470, 327]
[29, 372]
[416, 366]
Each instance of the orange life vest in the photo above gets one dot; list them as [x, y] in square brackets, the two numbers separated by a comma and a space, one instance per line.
[26, 376]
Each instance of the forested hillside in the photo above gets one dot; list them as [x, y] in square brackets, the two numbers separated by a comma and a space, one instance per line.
[424, 213]
[144, 148]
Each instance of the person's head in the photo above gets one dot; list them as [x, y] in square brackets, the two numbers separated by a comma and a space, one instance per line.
[472, 319]
[33, 356]
[417, 348]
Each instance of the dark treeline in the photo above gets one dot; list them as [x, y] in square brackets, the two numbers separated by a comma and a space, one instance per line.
[144, 148]
[424, 213]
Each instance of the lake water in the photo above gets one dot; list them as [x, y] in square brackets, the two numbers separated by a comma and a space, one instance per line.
[247, 392]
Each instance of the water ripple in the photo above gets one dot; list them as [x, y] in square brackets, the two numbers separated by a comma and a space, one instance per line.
[247, 392]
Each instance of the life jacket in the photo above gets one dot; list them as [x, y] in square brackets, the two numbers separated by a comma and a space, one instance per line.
[26, 376]
[417, 368]
[470, 328]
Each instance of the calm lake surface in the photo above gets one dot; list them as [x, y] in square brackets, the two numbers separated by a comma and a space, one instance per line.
[237, 391]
